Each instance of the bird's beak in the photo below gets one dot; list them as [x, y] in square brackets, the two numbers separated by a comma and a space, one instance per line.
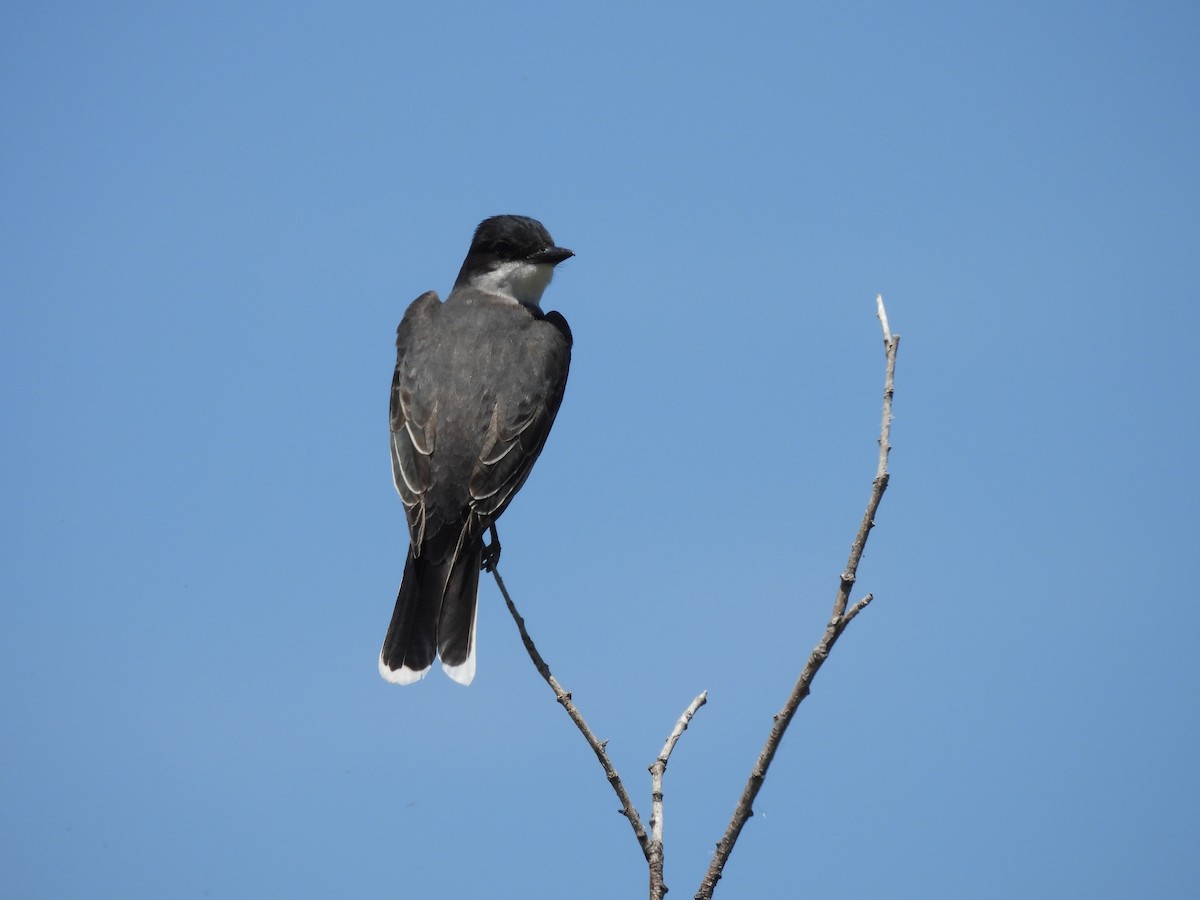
[552, 255]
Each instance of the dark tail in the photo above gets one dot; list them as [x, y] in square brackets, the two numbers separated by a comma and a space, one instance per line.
[435, 613]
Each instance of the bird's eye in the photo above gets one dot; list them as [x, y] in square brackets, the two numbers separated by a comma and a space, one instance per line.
[503, 248]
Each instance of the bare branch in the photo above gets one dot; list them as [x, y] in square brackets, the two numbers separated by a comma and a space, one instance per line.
[833, 630]
[890, 345]
[628, 810]
[881, 312]
[657, 770]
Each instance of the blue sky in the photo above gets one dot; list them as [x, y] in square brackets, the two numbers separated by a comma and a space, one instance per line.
[214, 216]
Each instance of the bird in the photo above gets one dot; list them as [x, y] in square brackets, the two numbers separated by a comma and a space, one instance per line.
[478, 382]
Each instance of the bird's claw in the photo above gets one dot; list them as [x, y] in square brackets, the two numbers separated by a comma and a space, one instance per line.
[491, 551]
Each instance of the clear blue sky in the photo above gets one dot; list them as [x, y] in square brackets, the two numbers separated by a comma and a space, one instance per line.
[215, 214]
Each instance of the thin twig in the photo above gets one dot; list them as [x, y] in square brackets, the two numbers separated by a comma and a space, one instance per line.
[890, 344]
[628, 810]
[657, 770]
[881, 313]
[856, 609]
[833, 630]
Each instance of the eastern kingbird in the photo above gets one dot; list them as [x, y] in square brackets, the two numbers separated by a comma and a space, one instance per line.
[478, 382]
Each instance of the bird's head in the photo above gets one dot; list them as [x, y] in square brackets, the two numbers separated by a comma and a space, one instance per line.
[513, 257]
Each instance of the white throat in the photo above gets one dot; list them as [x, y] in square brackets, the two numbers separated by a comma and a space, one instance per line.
[520, 282]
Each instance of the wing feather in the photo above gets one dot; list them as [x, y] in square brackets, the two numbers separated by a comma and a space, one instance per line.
[517, 430]
[413, 420]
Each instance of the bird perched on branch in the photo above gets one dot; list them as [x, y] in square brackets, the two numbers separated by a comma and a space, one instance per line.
[478, 382]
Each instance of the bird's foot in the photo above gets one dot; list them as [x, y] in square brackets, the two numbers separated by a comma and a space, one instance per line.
[491, 551]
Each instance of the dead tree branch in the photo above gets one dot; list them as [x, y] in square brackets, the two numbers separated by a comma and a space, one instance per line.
[833, 630]
[652, 843]
[657, 888]
[628, 810]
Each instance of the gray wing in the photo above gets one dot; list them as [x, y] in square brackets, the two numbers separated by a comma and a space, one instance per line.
[517, 431]
[413, 415]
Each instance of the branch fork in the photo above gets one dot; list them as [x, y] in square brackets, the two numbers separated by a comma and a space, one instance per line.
[843, 614]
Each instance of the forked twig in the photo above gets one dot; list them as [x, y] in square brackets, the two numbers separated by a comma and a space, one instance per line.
[652, 844]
